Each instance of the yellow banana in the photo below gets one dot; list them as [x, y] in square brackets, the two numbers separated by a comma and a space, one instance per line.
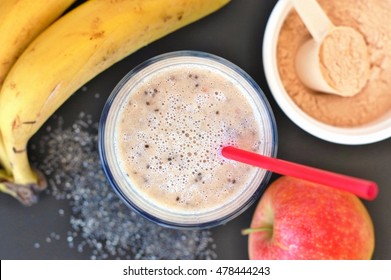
[4, 177]
[73, 50]
[3, 156]
[20, 22]
[27, 194]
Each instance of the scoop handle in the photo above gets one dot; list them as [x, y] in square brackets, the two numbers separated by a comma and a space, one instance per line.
[360, 187]
[314, 18]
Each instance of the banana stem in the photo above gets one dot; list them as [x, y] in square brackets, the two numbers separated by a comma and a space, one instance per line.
[24, 193]
[27, 194]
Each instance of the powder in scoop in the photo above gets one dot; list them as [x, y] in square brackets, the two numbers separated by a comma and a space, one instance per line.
[344, 60]
[373, 20]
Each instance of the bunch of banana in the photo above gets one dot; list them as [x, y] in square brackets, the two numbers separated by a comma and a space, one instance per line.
[74, 49]
[20, 22]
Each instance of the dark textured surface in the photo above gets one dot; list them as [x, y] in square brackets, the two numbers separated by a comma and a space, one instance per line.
[235, 33]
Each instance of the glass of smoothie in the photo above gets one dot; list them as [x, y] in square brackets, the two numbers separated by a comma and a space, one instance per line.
[162, 131]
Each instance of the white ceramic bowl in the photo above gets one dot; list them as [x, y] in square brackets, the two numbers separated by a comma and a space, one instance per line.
[370, 133]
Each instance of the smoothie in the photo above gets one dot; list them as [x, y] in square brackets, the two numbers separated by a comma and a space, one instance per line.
[170, 126]
[171, 132]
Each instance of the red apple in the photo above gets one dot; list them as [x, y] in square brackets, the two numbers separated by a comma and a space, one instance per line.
[297, 219]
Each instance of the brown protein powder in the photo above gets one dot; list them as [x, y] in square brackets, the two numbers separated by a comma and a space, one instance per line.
[344, 61]
[373, 20]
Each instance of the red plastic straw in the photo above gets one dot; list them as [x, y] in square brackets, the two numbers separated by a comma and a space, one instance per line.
[360, 187]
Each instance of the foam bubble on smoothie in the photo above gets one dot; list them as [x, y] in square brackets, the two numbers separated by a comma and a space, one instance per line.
[172, 129]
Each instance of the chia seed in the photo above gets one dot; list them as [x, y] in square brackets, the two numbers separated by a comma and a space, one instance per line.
[100, 221]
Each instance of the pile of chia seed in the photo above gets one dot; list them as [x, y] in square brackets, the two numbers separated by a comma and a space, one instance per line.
[100, 221]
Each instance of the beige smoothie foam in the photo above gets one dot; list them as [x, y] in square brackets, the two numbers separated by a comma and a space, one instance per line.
[373, 20]
[171, 131]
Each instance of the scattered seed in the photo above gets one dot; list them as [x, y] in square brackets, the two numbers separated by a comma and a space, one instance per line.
[101, 224]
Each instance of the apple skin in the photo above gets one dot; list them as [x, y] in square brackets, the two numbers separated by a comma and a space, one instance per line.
[297, 219]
